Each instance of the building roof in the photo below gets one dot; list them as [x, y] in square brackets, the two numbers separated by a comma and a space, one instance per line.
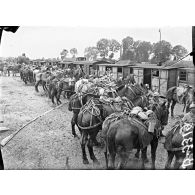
[125, 62]
[114, 65]
[181, 64]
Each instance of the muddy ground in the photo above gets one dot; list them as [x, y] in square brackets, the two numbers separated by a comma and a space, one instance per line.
[46, 143]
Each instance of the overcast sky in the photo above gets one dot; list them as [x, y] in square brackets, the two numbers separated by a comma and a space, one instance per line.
[48, 42]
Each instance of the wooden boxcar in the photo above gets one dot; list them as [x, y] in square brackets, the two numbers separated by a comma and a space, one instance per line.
[159, 78]
[186, 76]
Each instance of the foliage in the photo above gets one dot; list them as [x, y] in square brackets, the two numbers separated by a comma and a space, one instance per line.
[114, 46]
[162, 51]
[23, 59]
[142, 50]
[103, 47]
[128, 48]
[73, 52]
[179, 51]
[91, 53]
[63, 54]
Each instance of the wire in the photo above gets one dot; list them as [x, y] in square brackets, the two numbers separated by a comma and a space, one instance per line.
[179, 60]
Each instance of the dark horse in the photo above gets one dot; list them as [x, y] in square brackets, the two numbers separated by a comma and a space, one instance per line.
[178, 141]
[125, 134]
[75, 104]
[90, 119]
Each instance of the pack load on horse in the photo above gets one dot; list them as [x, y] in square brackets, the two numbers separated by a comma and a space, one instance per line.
[131, 132]
[94, 112]
[179, 142]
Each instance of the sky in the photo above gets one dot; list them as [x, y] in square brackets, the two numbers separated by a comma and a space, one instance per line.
[48, 42]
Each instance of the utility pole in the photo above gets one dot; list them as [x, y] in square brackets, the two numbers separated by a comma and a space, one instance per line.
[160, 49]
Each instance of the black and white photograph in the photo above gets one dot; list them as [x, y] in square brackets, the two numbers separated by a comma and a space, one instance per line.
[97, 98]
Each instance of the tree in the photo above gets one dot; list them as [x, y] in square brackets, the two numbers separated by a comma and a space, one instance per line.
[23, 59]
[114, 46]
[63, 54]
[91, 53]
[103, 47]
[179, 51]
[128, 48]
[143, 50]
[162, 51]
[73, 52]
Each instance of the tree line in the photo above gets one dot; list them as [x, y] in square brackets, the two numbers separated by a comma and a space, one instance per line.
[138, 51]
[130, 49]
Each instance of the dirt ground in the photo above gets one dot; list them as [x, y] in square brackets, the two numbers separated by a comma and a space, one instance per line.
[47, 142]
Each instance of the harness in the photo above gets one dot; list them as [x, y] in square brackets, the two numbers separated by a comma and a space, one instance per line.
[91, 108]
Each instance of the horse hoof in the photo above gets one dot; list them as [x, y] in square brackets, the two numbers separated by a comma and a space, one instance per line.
[85, 161]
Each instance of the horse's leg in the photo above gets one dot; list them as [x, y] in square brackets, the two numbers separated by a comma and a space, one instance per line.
[83, 143]
[58, 96]
[112, 154]
[73, 123]
[137, 153]
[52, 95]
[179, 156]
[172, 107]
[106, 153]
[123, 155]
[169, 159]
[154, 145]
[36, 86]
[90, 148]
[143, 156]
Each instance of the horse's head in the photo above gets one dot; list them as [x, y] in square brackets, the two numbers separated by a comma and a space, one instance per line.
[162, 112]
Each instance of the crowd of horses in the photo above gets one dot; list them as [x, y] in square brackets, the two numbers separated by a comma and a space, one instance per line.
[101, 105]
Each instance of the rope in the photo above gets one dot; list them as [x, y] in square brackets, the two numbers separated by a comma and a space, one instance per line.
[10, 137]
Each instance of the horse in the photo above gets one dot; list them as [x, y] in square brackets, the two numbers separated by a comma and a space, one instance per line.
[90, 119]
[125, 134]
[42, 77]
[178, 143]
[75, 104]
[131, 91]
[175, 95]
[26, 75]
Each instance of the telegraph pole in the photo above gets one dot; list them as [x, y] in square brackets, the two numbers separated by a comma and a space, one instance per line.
[160, 49]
